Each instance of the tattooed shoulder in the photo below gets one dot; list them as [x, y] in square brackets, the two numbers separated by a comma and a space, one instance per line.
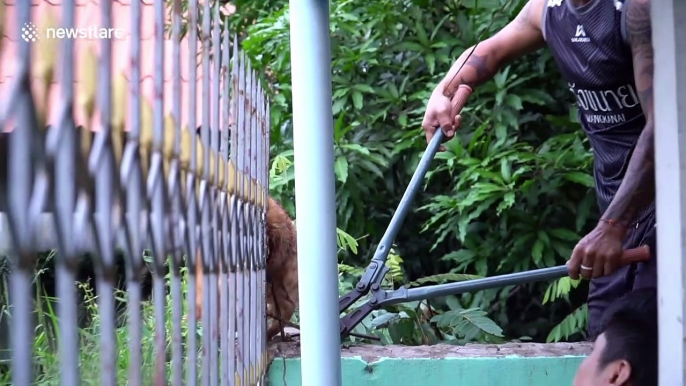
[639, 35]
[638, 28]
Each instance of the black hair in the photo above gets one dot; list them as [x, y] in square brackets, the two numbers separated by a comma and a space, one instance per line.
[630, 327]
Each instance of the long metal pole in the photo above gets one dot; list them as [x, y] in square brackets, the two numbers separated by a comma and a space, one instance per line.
[315, 192]
[668, 27]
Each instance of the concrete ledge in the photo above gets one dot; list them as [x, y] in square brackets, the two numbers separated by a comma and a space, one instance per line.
[514, 364]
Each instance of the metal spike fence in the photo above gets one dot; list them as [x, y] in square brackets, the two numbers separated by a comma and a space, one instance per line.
[140, 181]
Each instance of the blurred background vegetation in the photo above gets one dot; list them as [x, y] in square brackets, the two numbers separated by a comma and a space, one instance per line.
[513, 193]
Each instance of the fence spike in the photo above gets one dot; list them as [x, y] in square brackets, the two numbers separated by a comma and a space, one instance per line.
[119, 103]
[45, 61]
[88, 84]
[199, 158]
[169, 140]
[44, 67]
[146, 137]
[231, 178]
[185, 153]
[221, 183]
[213, 158]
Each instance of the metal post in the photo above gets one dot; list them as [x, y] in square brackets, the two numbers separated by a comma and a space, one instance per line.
[669, 26]
[315, 192]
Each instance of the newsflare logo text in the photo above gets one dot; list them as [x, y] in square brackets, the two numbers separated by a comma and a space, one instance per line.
[29, 33]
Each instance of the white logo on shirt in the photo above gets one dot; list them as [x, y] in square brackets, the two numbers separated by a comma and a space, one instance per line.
[609, 106]
[554, 3]
[580, 30]
[580, 36]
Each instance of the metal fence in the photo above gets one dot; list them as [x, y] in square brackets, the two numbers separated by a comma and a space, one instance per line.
[136, 181]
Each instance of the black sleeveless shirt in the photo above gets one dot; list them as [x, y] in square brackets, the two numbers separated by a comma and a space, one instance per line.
[591, 50]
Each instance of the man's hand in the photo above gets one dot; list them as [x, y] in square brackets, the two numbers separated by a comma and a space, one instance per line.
[599, 253]
[478, 64]
[439, 115]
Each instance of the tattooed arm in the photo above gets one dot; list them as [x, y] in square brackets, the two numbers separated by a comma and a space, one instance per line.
[637, 190]
[521, 36]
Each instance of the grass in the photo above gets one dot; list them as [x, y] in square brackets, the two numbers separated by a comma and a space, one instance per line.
[47, 368]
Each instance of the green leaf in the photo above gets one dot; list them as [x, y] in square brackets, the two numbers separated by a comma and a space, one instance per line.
[363, 88]
[465, 321]
[402, 119]
[564, 234]
[580, 178]
[461, 256]
[536, 96]
[514, 101]
[422, 35]
[393, 89]
[357, 100]
[537, 251]
[507, 202]
[355, 147]
[341, 169]
[572, 324]
[453, 302]
[383, 320]
[501, 131]
[431, 63]
[481, 321]
[506, 169]
[543, 236]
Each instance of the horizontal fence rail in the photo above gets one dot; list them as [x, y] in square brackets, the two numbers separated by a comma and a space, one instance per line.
[131, 183]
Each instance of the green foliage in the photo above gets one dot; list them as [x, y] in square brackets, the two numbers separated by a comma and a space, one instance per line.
[46, 342]
[512, 193]
[571, 324]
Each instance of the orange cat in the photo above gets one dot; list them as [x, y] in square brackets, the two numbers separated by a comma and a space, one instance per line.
[282, 269]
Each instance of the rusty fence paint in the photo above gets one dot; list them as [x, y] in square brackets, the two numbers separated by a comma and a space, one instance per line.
[140, 181]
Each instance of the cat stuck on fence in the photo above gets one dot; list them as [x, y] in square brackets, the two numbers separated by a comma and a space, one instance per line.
[282, 271]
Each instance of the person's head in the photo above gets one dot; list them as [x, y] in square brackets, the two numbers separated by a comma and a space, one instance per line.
[625, 352]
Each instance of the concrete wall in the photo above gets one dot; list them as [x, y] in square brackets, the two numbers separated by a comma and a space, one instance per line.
[442, 365]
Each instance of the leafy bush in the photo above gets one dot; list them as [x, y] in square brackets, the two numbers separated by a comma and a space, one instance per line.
[512, 193]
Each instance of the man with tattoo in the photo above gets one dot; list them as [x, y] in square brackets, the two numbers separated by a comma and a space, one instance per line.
[603, 50]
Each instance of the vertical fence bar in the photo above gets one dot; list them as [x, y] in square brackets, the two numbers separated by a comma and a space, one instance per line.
[157, 197]
[132, 183]
[267, 159]
[191, 199]
[249, 297]
[253, 229]
[245, 224]
[257, 225]
[216, 82]
[236, 79]
[315, 192]
[226, 376]
[204, 199]
[102, 168]
[18, 195]
[62, 145]
[240, 154]
[668, 28]
[175, 195]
